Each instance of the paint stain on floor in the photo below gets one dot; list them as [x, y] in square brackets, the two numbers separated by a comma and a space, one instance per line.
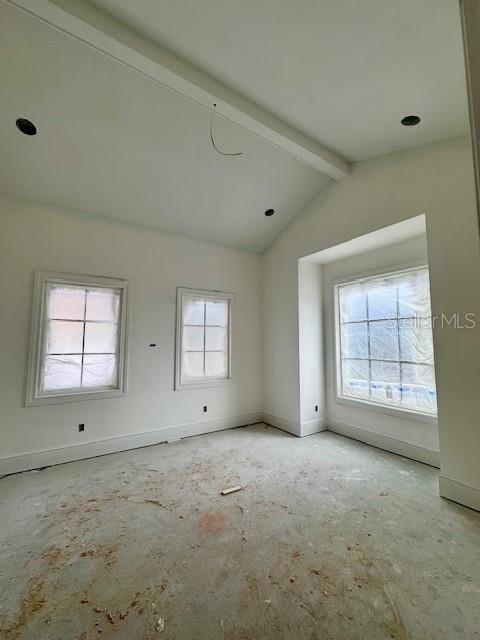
[212, 523]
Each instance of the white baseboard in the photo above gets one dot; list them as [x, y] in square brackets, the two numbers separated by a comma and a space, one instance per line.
[283, 423]
[313, 426]
[299, 429]
[39, 459]
[400, 447]
[458, 492]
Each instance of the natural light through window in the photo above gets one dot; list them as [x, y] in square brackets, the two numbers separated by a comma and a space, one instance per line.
[384, 341]
[203, 338]
[79, 336]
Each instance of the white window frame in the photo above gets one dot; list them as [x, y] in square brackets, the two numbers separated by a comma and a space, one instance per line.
[360, 403]
[207, 382]
[34, 396]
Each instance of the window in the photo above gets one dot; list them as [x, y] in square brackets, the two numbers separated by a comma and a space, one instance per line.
[203, 355]
[78, 338]
[384, 341]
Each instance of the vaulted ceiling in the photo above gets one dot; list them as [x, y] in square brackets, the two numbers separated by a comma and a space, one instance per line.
[342, 71]
[121, 93]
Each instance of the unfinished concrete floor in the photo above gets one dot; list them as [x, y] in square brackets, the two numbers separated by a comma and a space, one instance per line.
[329, 540]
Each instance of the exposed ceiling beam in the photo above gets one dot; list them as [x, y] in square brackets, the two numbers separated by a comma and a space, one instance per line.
[97, 30]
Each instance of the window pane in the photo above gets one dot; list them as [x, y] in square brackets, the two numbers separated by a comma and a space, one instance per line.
[382, 301]
[385, 385]
[418, 387]
[62, 372]
[64, 337]
[355, 340]
[192, 366]
[416, 342]
[216, 365]
[193, 338]
[384, 340]
[193, 311]
[65, 302]
[217, 312]
[414, 295]
[216, 339]
[99, 371]
[419, 374]
[355, 378]
[353, 302]
[385, 371]
[394, 341]
[100, 337]
[103, 304]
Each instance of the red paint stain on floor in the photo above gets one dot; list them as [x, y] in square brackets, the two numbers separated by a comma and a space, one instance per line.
[212, 523]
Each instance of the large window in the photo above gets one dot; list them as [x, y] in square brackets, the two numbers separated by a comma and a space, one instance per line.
[203, 354]
[384, 341]
[78, 338]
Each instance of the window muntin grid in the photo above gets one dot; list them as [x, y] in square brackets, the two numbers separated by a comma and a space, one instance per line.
[80, 338]
[384, 338]
[205, 344]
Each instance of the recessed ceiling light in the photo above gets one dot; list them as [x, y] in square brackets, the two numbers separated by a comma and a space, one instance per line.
[26, 127]
[410, 121]
[269, 212]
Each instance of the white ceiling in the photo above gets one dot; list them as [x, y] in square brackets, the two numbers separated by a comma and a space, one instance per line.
[113, 142]
[344, 72]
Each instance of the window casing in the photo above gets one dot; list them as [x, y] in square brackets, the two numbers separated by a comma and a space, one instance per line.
[384, 347]
[78, 340]
[204, 338]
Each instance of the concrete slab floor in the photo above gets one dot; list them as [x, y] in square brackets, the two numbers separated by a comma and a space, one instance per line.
[329, 540]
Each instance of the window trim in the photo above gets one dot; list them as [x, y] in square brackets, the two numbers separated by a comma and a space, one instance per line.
[208, 382]
[38, 335]
[400, 412]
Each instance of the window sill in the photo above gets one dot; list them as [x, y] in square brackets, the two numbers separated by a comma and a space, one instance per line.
[405, 414]
[74, 397]
[202, 384]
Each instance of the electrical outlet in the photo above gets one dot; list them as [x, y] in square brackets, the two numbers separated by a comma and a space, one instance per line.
[81, 427]
[205, 409]
[316, 407]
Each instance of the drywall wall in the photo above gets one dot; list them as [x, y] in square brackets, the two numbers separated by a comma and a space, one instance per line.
[470, 12]
[154, 263]
[420, 438]
[438, 181]
[311, 356]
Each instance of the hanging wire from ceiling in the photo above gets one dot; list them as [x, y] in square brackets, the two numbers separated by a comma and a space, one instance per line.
[222, 153]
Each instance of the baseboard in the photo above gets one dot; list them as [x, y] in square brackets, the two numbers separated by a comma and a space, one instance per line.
[283, 423]
[388, 443]
[299, 429]
[313, 426]
[458, 492]
[39, 459]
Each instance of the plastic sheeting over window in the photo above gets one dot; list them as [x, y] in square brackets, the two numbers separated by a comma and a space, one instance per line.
[205, 344]
[385, 341]
[81, 338]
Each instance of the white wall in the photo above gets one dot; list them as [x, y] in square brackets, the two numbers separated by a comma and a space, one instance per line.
[155, 263]
[436, 180]
[311, 352]
[419, 439]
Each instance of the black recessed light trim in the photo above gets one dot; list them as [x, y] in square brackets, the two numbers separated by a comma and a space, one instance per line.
[26, 126]
[410, 121]
[269, 212]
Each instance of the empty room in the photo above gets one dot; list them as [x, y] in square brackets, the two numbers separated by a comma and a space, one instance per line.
[240, 320]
